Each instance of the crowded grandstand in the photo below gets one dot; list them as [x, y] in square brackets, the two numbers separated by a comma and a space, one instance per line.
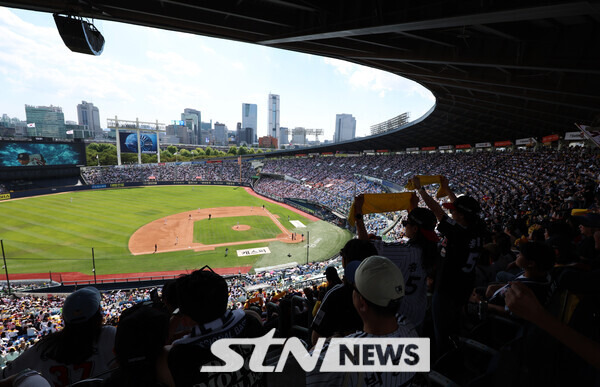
[525, 199]
[476, 255]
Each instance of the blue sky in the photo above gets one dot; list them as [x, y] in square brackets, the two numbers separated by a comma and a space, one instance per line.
[154, 74]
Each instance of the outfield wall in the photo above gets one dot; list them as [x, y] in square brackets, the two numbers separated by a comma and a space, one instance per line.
[53, 190]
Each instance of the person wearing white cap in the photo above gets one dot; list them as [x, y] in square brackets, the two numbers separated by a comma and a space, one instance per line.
[416, 258]
[82, 350]
[378, 290]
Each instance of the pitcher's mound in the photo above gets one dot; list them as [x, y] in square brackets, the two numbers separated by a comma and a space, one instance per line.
[241, 227]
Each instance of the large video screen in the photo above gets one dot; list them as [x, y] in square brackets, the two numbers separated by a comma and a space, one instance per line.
[28, 154]
[129, 142]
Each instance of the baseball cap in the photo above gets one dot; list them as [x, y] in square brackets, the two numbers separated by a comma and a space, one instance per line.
[81, 305]
[426, 220]
[23, 156]
[464, 204]
[379, 280]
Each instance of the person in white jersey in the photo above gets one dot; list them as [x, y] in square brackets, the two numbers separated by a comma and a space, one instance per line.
[415, 258]
[378, 289]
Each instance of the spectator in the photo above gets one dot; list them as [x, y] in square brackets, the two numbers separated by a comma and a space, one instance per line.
[140, 348]
[588, 225]
[332, 277]
[536, 259]
[416, 259]
[455, 278]
[202, 295]
[378, 289]
[336, 316]
[522, 301]
[83, 349]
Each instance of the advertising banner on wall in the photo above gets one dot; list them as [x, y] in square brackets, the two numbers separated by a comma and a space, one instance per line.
[574, 136]
[550, 138]
[526, 141]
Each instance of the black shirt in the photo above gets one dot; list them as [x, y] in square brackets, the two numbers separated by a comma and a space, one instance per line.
[461, 247]
[337, 313]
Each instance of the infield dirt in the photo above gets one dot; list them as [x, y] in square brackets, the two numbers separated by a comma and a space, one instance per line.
[176, 232]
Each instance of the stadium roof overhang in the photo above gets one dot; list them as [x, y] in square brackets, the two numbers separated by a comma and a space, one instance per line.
[499, 70]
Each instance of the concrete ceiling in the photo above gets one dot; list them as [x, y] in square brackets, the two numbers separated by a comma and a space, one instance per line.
[500, 70]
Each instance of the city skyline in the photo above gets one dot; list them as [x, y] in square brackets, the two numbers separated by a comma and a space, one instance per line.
[154, 74]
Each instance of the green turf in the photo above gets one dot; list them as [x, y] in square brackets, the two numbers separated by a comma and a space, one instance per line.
[51, 233]
[222, 230]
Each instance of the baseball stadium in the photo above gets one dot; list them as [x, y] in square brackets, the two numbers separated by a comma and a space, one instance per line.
[159, 233]
[461, 248]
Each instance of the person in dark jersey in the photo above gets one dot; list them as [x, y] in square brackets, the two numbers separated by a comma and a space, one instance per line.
[202, 296]
[336, 315]
[464, 236]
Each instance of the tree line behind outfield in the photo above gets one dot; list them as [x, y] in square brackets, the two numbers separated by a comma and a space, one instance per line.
[107, 154]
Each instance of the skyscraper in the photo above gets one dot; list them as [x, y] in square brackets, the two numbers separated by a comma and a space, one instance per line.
[273, 116]
[345, 127]
[221, 134]
[89, 115]
[193, 120]
[249, 119]
[45, 121]
[284, 134]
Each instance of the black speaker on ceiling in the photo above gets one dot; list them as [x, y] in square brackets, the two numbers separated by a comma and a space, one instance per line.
[79, 35]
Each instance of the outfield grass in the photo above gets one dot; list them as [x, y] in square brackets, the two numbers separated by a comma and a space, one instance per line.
[222, 230]
[51, 233]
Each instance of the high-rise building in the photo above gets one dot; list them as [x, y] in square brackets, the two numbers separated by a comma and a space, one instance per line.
[284, 135]
[206, 133]
[345, 127]
[89, 115]
[273, 116]
[243, 136]
[193, 120]
[249, 119]
[221, 134]
[178, 134]
[45, 121]
[299, 136]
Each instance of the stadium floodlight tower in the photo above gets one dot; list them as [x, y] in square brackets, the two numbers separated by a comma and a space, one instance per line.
[138, 137]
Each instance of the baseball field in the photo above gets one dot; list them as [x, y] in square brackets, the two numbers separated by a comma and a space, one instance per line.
[159, 229]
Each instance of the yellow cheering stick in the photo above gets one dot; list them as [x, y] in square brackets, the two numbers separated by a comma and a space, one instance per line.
[427, 180]
[385, 202]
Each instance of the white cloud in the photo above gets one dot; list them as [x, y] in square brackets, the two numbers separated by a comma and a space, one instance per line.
[378, 81]
[341, 66]
[174, 63]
